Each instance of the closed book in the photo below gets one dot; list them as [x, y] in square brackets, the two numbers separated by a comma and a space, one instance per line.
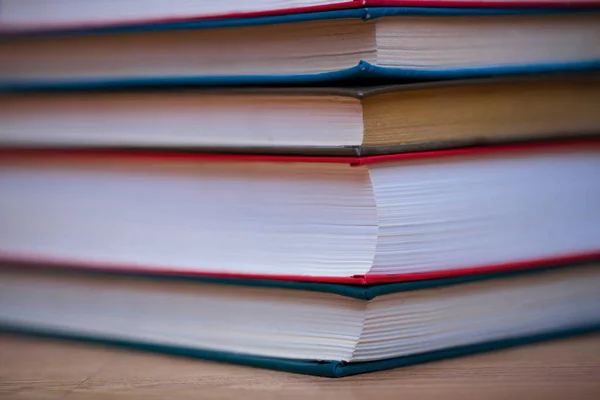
[357, 220]
[375, 43]
[309, 121]
[45, 14]
[318, 329]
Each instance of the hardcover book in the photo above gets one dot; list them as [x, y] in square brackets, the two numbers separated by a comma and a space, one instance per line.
[382, 43]
[305, 121]
[329, 330]
[388, 218]
[48, 14]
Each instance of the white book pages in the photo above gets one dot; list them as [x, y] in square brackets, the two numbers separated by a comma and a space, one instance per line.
[300, 324]
[36, 14]
[181, 119]
[412, 43]
[310, 219]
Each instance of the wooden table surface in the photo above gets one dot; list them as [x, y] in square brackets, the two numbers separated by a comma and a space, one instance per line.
[33, 368]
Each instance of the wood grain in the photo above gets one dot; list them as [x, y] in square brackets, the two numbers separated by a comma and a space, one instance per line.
[33, 368]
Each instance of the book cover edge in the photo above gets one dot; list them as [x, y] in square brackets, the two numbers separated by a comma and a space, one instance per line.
[357, 281]
[325, 368]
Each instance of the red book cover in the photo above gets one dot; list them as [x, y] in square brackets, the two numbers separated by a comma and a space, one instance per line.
[150, 155]
[361, 280]
[73, 155]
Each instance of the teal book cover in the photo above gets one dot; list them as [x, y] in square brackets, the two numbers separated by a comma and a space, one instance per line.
[321, 367]
[50, 60]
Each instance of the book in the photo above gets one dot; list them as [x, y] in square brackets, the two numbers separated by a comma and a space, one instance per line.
[309, 121]
[307, 47]
[387, 218]
[318, 329]
[19, 15]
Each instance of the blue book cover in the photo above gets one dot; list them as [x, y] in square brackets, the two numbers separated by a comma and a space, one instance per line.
[82, 59]
[321, 367]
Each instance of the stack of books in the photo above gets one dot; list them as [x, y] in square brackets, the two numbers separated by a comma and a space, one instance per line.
[324, 187]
